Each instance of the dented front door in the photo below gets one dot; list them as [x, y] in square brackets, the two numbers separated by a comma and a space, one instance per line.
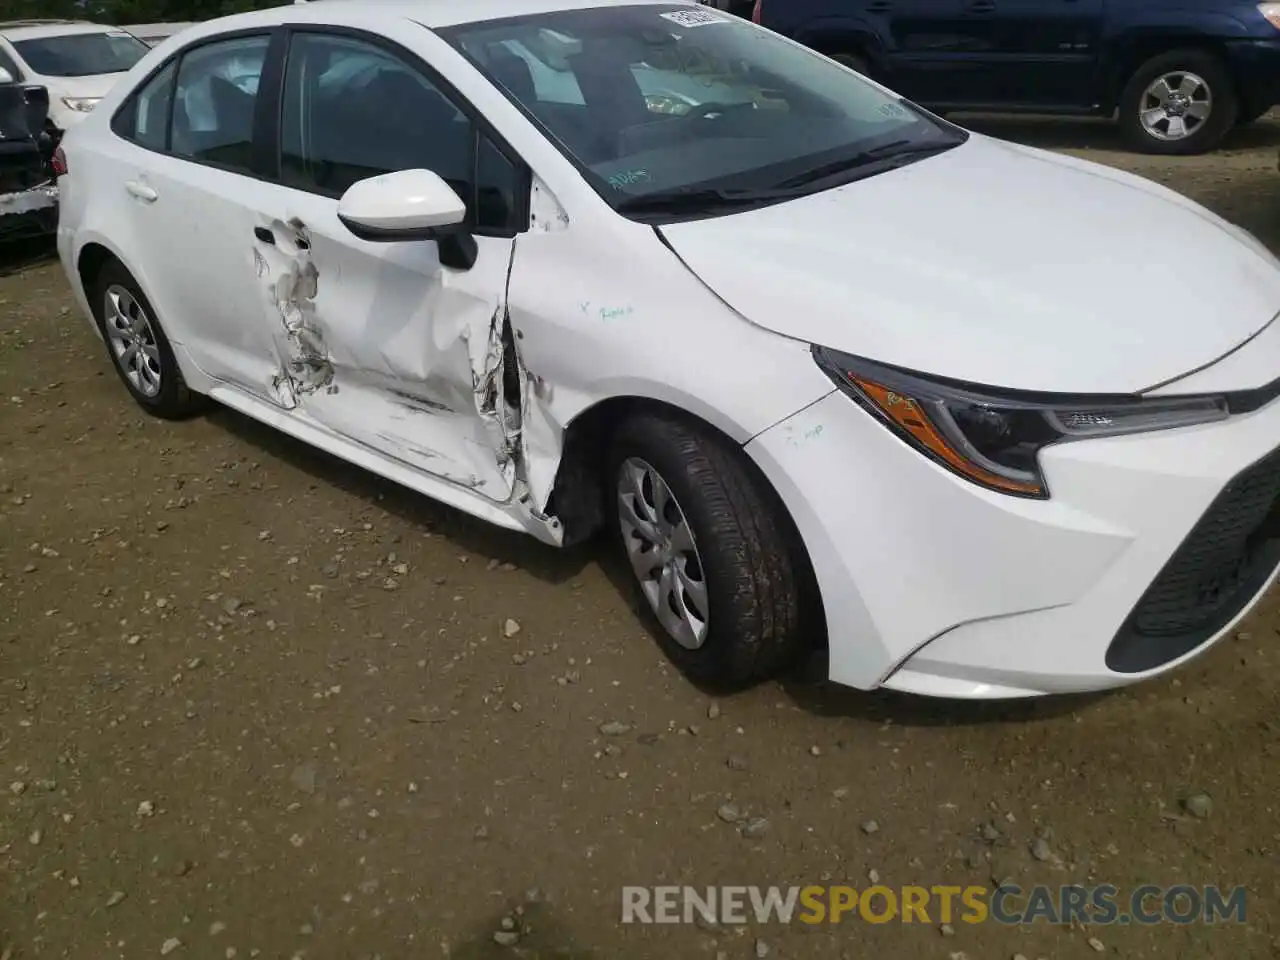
[385, 346]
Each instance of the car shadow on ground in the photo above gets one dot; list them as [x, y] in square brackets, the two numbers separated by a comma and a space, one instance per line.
[1081, 133]
[19, 255]
[464, 531]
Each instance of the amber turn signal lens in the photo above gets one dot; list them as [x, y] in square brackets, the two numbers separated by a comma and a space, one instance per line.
[910, 418]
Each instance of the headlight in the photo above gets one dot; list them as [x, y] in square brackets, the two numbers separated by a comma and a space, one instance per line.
[81, 104]
[994, 439]
[1272, 12]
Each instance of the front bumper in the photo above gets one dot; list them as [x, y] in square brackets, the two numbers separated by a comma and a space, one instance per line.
[932, 585]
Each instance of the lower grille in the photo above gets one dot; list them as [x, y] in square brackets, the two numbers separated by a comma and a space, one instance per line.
[1220, 566]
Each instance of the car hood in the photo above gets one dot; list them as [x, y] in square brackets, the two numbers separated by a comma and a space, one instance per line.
[999, 265]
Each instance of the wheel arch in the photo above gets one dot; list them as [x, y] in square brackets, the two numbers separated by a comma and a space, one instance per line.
[580, 494]
[1135, 47]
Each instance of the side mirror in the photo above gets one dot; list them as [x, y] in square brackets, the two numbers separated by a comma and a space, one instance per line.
[5, 76]
[401, 206]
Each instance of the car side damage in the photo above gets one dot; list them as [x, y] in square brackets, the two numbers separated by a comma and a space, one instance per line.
[421, 366]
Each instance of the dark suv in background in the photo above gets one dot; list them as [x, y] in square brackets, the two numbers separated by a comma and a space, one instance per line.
[1179, 73]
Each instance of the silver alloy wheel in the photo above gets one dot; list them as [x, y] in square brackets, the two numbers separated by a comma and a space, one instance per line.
[663, 553]
[1175, 105]
[132, 340]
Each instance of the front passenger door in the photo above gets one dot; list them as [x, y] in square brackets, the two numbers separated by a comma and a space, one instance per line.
[396, 346]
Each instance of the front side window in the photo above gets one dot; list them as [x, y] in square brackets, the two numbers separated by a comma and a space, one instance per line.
[353, 110]
[214, 102]
[82, 54]
[656, 99]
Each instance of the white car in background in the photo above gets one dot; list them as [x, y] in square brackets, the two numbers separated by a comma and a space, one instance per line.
[830, 369]
[153, 34]
[76, 61]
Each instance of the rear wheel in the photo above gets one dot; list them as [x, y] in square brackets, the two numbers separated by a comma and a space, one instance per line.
[712, 552]
[1179, 103]
[138, 347]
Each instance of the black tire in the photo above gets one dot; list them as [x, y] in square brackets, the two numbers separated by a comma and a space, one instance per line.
[760, 593]
[1224, 104]
[174, 400]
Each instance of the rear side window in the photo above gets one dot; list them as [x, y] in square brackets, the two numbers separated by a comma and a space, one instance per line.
[214, 102]
[146, 122]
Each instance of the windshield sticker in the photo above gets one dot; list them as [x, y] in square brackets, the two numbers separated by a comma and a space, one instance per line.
[894, 110]
[693, 18]
[629, 178]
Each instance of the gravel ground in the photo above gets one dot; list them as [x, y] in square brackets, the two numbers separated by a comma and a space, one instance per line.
[255, 703]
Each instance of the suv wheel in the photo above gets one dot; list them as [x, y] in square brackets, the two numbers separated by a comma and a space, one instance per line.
[1179, 103]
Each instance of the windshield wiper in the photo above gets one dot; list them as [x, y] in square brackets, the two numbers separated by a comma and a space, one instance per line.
[895, 150]
[698, 201]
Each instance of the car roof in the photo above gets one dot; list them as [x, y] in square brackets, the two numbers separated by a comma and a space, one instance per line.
[429, 13]
[28, 30]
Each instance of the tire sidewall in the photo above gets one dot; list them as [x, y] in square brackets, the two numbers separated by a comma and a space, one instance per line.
[723, 654]
[172, 394]
[1222, 117]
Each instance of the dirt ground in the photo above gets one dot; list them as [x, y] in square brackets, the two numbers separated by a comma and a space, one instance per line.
[255, 703]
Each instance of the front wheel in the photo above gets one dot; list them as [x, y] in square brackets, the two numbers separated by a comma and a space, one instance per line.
[712, 552]
[1178, 103]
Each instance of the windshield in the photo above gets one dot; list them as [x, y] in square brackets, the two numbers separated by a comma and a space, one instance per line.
[82, 54]
[658, 100]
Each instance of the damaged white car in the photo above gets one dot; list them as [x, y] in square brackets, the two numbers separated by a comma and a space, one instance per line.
[833, 371]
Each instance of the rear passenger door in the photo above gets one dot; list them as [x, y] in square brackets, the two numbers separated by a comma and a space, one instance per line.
[189, 172]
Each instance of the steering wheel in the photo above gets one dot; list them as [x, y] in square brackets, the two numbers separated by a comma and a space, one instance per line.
[711, 107]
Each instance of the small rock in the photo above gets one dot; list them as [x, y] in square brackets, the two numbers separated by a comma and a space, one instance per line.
[510, 628]
[815, 751]
[35, 837]
[873, 875]
[1096, 945]
[146, 809]
[481, 832]
[508, 923]
[762, 949]
[870, 827]
[231, 605]
[182, 868]
[756, 828]
[304, 777]
[1199, 805]
[839, 793]
[729, 813]
[216, 928]
[170, 945]
[116, 898]
[990, 832]
[1040, 849]
[713, 711]
[506, 938]
[958, 955]
[17, 788]
[947, 930]
[614, 728]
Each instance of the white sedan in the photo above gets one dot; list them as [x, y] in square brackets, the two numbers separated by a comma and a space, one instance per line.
[975, 419]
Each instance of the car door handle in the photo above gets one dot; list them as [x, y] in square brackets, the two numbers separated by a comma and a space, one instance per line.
[265, 235]
[141, 191]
